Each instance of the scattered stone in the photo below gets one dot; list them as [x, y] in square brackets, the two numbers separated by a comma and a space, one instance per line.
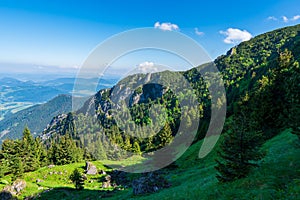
[149, 183]
[107, 182]
[84, 177]
[39, 180]
[90, 169]
[60, 173]
[51, 166]
[102, 172]
[40, 188]
[50, 173]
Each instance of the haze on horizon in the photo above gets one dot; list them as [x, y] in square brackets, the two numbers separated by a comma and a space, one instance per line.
[56, 37]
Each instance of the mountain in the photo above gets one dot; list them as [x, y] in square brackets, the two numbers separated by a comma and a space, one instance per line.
[36, 117]
[261, 78]
[13, 90]
[243, 69]
[16, 95]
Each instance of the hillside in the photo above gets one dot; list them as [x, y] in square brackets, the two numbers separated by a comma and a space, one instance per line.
[36, 117]
[243, 69]
[256, 157]
[16, 95]
[194, 178]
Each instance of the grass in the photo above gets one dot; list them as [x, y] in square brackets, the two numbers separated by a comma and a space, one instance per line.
[278, 177]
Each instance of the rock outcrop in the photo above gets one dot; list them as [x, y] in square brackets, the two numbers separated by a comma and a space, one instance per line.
[16, 187]
[90, 168]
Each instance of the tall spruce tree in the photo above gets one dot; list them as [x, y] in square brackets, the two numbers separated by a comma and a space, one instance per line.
[29, 151]
[240, 149]
[65, 151]
[77, 178]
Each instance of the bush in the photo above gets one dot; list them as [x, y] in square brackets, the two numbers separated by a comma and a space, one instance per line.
[77, 178]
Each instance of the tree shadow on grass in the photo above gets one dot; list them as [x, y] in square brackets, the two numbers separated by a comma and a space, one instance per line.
[71, 194]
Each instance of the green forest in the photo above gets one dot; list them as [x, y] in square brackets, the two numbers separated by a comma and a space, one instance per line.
[256, 157]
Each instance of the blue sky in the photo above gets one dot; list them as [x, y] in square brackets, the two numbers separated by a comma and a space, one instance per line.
[50, 36]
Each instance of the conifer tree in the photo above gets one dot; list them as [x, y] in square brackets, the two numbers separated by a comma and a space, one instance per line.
[77, 178]
[165, 136]
[239, 150]
[17, 168]
[65, 151]
[29, 152]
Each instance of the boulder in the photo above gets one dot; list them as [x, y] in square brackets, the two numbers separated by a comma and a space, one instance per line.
[6, 195]
[119, 177]
[19, 185]
[51, 166]
[90, 169]
[16, 187]
[149, 183]
[107, 182]
[39, 181]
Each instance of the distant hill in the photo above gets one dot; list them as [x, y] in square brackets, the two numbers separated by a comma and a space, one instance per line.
[13, 90]
[36, 117]
[16, 95]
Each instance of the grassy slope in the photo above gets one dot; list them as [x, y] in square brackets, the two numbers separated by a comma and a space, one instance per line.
[278, 177]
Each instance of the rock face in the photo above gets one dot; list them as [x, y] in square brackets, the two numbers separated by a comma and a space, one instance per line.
[90, 168]
[149, 183]
[16, 187]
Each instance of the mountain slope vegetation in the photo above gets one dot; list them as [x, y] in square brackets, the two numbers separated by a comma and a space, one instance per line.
[261, 79]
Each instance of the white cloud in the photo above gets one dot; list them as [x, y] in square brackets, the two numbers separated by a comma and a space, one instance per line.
[197, 32]
[295, 18]
[272, 18]
[236, 36]
[285, 19]
[166, 26]
[147, 67]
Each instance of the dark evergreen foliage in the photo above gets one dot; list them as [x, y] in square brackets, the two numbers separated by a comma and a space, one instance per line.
[77, 178]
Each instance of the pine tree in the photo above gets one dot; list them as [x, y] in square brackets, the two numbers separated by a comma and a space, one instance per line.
[239, 150]
[165, 136]
[11, 158]
[77, 178]
[17, 168]
[65, 151]
[29, 151]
